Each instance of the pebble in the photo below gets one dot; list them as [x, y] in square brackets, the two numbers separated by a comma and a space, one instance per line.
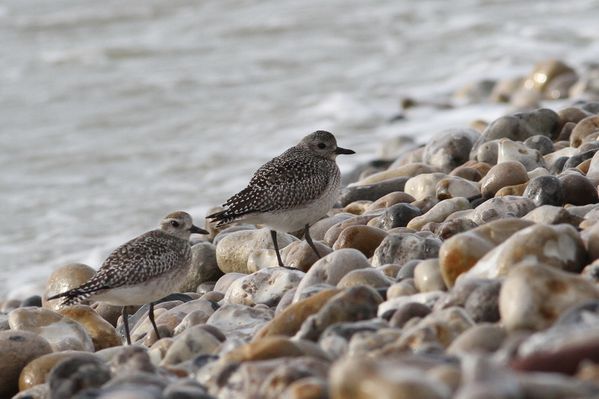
[541, 143]
[233, 250]
[455, 186]
[583, 129]
[450, 148]
[63, 279]
[398, 215]
[351, 304]
[483, 302]
[523, 125]
[372, 192]
[331, 269]
[363, 238]
[545, 190]
[61, 332]
[17, 349]
[265, 286]
[36, 372]
[203, 268]
[372, 277]
[301, 256]
[534, 296]
[76, 374]
[461, 252]
[319, 229]
[501, 208]
[550, 214]
[407, 312]
[509, 150]
[424, 186]
[102, 333]
[482, 338]
[558, 246]
[439, 212]
[194, 341]
[505, 174]
[240, 320]
[408, 170]
[289, 320]
[578, 190]
[334, 231]
[427, 276]
[363, 378]
[403, 247]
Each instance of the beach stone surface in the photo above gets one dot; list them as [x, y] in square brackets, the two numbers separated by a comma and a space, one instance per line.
[63, 279]
[424, 186]
[403, 247]
[102, 333]
[61, 332]
[450, 148]
[439, 212]
[501, 208]
[504, 174]
[36, 372]
[204, 266]
[534, 296]
[265, 286]
[233, 250]
[17, 349]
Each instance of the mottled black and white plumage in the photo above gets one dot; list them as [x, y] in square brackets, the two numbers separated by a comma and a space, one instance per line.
[303, 176]
[292, 191]
[144, 269]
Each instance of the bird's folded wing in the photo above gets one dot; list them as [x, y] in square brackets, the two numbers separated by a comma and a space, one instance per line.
[283, 183]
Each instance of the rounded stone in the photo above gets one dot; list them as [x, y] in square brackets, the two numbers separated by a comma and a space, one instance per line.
[578, 190]
[333, 232]
[240, 321]
[502, 175]
[63, 279]
[194, 341]
[450, 148]
[515, 151]
[203, 266]
[36, 372]
[17, 349]
[559, 246]
[301, 256]
[401, 248]
[61, 332]
[583, 129]
[424, 186]
[439, 212]
[482, 338]
[520, 126]
[319, 229]
[454, 186]
[386, 201]
[427, 276]
[501, 208]
[223, 283]
[331, 269]
[541, 143]
[398, 215]
[363, 238]
[407, 312]
[483, 303]
[233, 250]
[371, 192]
[289, 320]
[102, 333]
[75, 374]
[266, 286]
[534, 296]
[371, 277]
[545, 190]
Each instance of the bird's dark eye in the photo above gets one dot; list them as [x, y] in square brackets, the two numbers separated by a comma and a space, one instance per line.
[322, 146]
[174, 223]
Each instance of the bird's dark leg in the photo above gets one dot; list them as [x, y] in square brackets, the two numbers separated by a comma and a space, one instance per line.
[273, 234]
[151, 316]
[309, 240]
[126, 322]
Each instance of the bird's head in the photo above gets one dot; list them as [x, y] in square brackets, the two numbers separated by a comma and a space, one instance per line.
[323, 144]
[180, 224]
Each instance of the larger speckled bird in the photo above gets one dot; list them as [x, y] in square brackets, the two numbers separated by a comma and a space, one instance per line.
[143, 270]
[292, 191]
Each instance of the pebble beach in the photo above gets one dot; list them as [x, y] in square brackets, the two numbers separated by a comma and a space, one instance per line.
[462, 267]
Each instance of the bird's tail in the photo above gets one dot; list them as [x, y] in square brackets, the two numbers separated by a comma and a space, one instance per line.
[222, 218]
[76, 295]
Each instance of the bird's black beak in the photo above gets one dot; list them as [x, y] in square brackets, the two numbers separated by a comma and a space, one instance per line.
[340, 150]
[196, 230]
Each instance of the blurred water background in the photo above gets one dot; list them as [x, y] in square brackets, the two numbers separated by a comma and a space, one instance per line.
[114, 113]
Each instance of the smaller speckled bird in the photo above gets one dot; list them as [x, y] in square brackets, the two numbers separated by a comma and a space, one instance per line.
[291, 191]
[143, 270]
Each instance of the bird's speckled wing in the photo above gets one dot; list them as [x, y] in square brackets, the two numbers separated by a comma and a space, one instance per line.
[290, 180]
[149, 255]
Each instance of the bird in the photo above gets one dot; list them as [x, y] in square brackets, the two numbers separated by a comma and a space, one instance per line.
[290, 192]
[143, 270]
